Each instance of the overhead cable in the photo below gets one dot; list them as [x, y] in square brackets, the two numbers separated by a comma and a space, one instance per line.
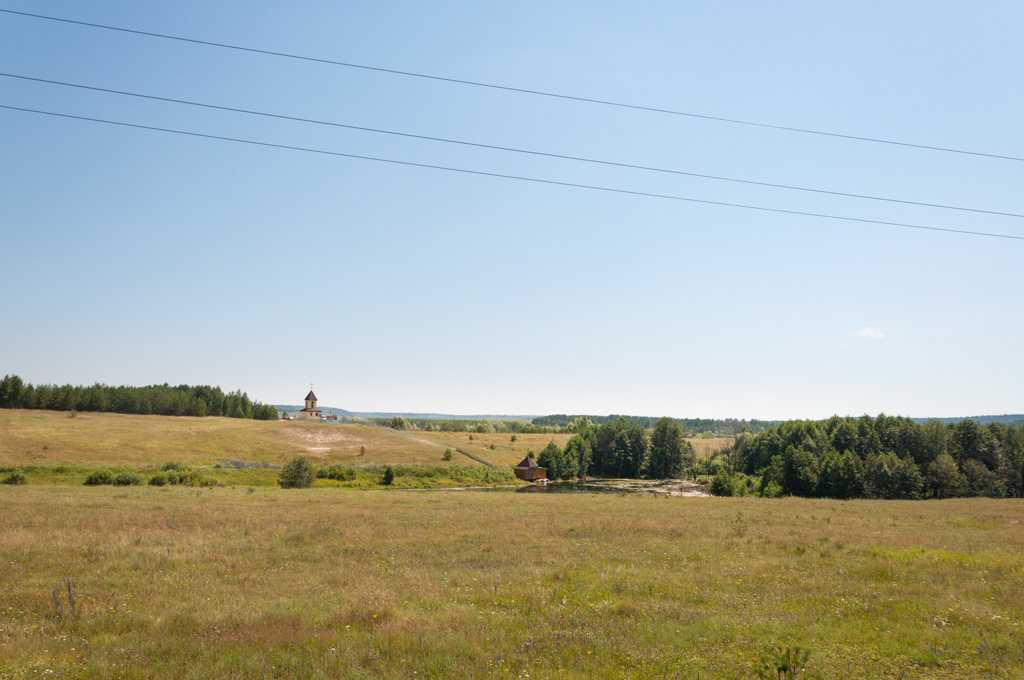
[520, 178]
[519, 90]
[517, 150]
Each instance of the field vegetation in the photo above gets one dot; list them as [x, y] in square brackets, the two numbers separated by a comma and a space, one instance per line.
[177, 582]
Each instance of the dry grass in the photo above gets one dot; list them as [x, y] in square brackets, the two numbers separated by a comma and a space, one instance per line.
[505, 451]
[49, 438]
[319, 584]
[705, 447]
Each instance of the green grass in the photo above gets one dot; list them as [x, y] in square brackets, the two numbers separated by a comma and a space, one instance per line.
[261, 583]
[366, 477]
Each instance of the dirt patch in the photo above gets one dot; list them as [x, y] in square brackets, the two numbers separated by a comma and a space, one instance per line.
[318, 439]
[668, 487]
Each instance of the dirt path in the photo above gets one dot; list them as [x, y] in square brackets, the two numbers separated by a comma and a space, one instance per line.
[438, 444]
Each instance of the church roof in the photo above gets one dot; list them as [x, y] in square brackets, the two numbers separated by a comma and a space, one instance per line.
[311, 396]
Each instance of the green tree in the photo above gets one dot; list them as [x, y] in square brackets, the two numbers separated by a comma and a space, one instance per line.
[389, 476]
[841, 475]
[981, 481]
[579, 424]
[944, 477]
[668, 450]
[721, 484]
[298, 473]
[888, 476]
[577, 455]
[799, 472]
[553, 459]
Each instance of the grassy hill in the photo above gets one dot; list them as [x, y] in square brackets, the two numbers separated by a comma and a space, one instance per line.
[52, 447]
[50, 438]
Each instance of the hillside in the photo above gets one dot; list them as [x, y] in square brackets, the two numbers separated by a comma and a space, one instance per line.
[49, 438]
[46, 438]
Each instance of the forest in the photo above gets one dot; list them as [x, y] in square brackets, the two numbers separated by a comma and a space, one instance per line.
[692, 427]
[619, 449]
[884, 457]
[482, 426]
[160, 400]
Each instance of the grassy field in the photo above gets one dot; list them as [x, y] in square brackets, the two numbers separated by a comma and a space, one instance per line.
[49, 438]
[227, 582]
[252, 581]
[705, 447]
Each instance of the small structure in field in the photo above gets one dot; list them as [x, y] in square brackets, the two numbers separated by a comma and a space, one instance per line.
[528, 470]
[311, 412]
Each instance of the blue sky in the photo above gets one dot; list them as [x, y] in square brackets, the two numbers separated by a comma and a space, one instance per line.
[135, 257]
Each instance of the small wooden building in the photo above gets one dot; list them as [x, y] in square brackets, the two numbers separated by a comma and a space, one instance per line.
[529, 471]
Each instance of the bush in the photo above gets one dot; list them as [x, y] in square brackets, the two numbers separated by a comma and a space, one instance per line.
[127, 479]
[389, 476]
[179, 474]
[99, 477]
[16, 477]
[447, 454]
[771, 490]
[341, 473]
[296, 474]
[721, 485]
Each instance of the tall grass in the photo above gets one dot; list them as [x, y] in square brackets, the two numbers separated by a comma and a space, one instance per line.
[232, 582]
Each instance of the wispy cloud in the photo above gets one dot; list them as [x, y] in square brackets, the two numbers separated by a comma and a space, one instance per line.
[868, 332]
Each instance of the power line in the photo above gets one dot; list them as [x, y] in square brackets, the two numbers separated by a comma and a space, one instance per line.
[520, 90]
[517, 150]
[516, 177]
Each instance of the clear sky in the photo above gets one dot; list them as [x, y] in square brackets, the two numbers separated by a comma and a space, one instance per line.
[130, 256]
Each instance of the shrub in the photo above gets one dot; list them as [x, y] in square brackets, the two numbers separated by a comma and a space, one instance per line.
[783, 663]
[99, 477]
[296, 474]
[127, 479]
[341, 473]
[16, 477]
[771, 490]
[721, 485]
[389, 476]
[159, 479]
[447, 454]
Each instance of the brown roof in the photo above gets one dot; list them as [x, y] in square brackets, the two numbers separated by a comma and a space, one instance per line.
[527, 463]
[311, 396]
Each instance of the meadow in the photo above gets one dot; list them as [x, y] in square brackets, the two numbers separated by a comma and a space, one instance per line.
[265, 583]
[52, 448]
[247, 580]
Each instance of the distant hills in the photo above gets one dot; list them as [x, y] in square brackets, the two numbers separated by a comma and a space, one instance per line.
[1012, 419]
[408, 416]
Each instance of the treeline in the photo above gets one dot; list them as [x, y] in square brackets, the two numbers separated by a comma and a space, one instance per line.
[160, 400]
[619, 449]
[475, 426]
[692, 427]
[883, 457]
